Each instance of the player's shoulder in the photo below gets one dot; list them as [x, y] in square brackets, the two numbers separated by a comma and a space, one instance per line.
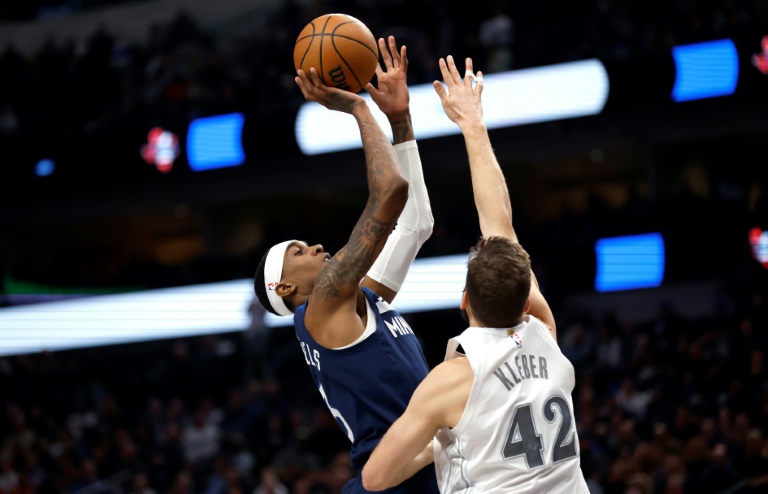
[443, 394]
[450, 373]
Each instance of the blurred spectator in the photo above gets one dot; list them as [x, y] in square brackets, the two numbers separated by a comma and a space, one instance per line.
[496, 34]
[270, 483]
[671, 405]
[200, 439]
[141, 485]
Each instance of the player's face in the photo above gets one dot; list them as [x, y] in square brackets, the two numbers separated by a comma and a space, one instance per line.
[302, 264]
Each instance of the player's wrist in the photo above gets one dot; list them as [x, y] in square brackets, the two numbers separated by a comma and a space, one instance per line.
[402, 130]
[397, 116]
[360, 109]
[472, 127]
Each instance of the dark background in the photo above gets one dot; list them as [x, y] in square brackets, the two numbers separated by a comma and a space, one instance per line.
[672, 399]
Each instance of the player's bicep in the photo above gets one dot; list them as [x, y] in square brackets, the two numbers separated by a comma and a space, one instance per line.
[379, 289]
[341, 276]
[405, 439]
[402, 443]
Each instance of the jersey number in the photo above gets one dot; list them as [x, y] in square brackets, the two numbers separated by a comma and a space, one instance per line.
[523, 440]
[337, 415]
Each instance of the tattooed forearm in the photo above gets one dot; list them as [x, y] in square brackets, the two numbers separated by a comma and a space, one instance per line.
[352, 262]
[387, 194]
[402, 130]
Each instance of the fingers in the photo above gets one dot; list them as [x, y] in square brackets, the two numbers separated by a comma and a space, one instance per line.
[480, 85]
[454, 72]
[444, 72]
[439, 89]
[314, 77]
[394, 52]
[392, 58]
[385, 54]
[311, 84]
[371, 89]
[302, 81]
[469, 74]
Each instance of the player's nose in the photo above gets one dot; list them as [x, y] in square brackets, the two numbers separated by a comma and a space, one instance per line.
[317, 249]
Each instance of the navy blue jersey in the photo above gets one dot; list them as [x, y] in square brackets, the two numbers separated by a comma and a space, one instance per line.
[367, 386]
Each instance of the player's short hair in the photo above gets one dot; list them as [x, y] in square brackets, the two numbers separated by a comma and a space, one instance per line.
[259, 286]
[498, 281]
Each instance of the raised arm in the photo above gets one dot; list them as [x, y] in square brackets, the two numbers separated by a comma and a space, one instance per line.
[392, 95]
[414, 226]
[463, 105]
[334, 297]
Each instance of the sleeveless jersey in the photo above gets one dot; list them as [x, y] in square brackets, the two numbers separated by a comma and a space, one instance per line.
[368, 385]
[518, 432]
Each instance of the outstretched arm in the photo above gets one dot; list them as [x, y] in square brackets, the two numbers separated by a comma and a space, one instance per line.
[414, 226]
[334, 297]
[463, 105]
[439, 401]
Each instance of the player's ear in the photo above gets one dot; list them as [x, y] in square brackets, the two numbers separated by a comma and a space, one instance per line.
[465, 301]
[285, 289]
[527, 306]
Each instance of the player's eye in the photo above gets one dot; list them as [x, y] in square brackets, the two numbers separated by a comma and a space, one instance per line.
[298, 252]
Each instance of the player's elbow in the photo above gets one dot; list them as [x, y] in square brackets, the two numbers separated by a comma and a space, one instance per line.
[396, 194]
[373, 478]
[400, 189]
[425, 227]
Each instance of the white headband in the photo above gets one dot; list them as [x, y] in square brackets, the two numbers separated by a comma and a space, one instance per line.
[273, 273]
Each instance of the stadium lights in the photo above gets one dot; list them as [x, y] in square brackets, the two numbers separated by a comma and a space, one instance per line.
[629, 262]
[433, 283]
[541, 94]
[705, 70]
[216, 142]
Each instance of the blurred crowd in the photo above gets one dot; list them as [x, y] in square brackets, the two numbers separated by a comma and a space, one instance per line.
[669, 405]
[74, 101]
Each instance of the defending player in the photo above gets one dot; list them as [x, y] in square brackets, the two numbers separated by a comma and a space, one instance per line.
[501, 413]
[362, 355]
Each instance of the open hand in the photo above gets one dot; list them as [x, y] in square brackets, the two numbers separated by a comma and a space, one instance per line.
[462, 102]
[392, 94]
[330, 97]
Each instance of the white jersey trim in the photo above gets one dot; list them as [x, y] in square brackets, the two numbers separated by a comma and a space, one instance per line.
[370, 327]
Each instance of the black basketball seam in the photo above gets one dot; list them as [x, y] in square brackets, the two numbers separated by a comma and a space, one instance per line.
[376, 55]
[320, 35]
[323, 34]
[333, 42]
[322, 74]
[304, 57]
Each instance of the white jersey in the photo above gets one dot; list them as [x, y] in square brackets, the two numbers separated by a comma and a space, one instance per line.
[517, 433]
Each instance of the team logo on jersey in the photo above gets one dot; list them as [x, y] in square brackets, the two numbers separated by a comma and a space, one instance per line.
[518, 341]
[383, 306]
[271, 286]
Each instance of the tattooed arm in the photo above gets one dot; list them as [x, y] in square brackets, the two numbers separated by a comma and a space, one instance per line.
[333, 316]
[414, 226]
[392, 95]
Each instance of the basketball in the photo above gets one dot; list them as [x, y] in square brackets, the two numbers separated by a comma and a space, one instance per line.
[341, 49]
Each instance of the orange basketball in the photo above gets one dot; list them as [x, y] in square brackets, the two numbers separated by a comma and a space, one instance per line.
[341, 49]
